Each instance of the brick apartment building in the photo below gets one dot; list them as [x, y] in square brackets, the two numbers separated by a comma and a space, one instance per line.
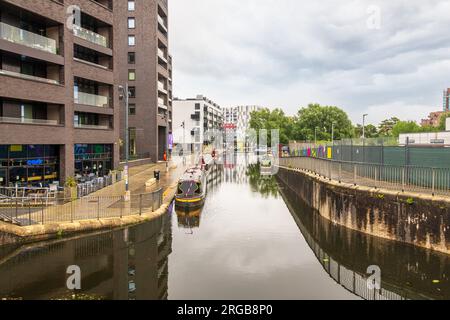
[59, 104]
[142, 49]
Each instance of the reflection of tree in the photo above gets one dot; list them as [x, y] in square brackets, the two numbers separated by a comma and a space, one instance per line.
[265, 185]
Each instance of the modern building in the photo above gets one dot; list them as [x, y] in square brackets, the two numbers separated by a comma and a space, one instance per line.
[59, 110]
[142, 38]
[427, 138]
[193, 119]
[446, 99]
[237, 123]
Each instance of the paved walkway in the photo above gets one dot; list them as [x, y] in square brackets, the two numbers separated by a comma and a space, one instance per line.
[109, 202]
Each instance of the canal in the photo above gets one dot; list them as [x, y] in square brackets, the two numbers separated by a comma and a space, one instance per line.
[253, 239]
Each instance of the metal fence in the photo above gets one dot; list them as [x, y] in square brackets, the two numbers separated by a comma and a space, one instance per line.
[85, 208]
[401, 178]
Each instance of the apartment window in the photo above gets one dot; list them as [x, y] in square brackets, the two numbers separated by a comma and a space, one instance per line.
[131, 75]
[132, 109]
[131, 40]
[131, 57]
[131, 23]
[131, 5]
[132, 91]
[197, 106]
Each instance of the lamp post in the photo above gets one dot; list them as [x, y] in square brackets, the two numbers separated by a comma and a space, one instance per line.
[124, 94]
[364, 126]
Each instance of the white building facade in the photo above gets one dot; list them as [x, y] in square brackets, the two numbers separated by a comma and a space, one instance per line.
[195, 121]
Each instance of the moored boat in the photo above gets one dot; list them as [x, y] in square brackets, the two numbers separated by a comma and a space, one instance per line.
[191, 192]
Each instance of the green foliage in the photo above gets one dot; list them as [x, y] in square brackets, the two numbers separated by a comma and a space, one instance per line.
[370, 131]
[320, 119]
[269, 120]
[386, 126]
[410, 201]
[405, 127]
[442, 120]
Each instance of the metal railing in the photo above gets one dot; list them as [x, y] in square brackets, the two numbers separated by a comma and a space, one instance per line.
[90, 36]
[86, 208]
[401, 178]
[91, 99]
[26, 38]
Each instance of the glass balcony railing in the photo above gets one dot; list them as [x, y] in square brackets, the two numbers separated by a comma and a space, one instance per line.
[90, 36]
[28, 121]
[26, 38]
[91, 99]
[91, 126]
[26, 76]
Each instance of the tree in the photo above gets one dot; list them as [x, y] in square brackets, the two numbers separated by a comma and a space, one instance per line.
[320, 119]
[442, 121]
[370, 131]
[405, 127]
[269, 120]
[386, 126]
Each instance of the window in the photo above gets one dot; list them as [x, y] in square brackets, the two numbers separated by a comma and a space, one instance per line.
[131, 75]
[132, 109]
[131, 57]
[131, 40]
[197, 106]
[131, 5]
[132, 92]
[131, 23]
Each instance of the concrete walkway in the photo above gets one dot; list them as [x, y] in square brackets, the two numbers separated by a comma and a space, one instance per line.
[108, 202]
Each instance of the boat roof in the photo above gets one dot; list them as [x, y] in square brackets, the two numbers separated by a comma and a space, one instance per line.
[193, 173]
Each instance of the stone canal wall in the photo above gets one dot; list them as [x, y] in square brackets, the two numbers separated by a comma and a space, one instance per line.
[417, 219]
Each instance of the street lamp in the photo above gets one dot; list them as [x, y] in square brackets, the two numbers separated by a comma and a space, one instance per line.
[124, 94]
[364, 126]
[315, 136]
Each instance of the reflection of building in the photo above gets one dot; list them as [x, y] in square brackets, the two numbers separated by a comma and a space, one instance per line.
[56, 90]
[193, 119]
[141, 29]
[124, 264]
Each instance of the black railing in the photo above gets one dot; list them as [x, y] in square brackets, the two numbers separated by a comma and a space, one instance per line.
[87, 208]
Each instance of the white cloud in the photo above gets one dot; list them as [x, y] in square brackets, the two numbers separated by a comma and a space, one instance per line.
[289, 53]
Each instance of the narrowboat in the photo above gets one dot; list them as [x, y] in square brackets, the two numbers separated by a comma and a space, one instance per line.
[191, 190]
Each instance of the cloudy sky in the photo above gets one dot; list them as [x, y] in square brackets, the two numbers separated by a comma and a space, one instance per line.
[288, 53]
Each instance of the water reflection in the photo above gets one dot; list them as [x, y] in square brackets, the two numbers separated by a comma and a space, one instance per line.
[124, 264]
[266, 185]
[407, 272]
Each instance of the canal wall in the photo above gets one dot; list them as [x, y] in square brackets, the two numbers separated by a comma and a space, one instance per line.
[13, 234]
[413, 218]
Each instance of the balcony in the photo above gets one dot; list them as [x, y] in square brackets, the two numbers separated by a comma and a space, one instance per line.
[162, 88]
[27, 77]
[162, 55]
[91, 126]
[162, 23]
[29, 121]
[90, 36]
[26, 38]
[91, 100]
